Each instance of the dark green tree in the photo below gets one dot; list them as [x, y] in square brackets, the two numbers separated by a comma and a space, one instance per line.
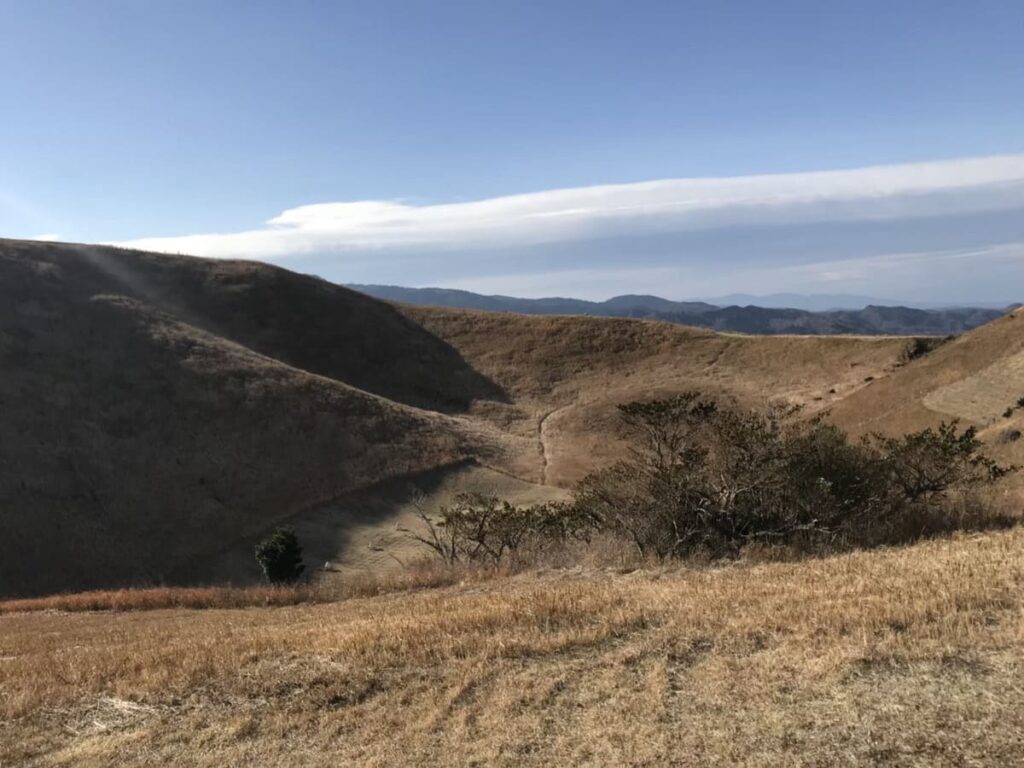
[280, 556]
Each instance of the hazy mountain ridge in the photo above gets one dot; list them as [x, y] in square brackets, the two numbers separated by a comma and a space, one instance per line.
[871, 319]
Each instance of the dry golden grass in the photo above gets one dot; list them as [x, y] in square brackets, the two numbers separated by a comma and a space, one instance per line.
[897, 657]
[165, 597]
[976, 378]
[565, 375]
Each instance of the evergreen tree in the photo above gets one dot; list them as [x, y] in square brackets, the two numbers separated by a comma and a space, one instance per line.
[280, 556]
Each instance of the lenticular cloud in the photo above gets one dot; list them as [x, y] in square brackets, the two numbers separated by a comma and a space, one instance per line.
[882, 192]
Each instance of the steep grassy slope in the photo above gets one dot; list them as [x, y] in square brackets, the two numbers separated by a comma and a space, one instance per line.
[302, 321]
[900, 657]
[135, 442]
[973, 378]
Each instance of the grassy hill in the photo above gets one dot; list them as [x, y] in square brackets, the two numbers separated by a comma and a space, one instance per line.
[159, 413]
[155, 409]
[564, 375]
[975, 379]
[899, 657]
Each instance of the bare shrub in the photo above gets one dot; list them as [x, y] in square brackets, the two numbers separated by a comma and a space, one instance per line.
[707, 478]
[485, 529]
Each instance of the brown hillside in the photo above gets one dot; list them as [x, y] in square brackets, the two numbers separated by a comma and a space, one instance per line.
[974, 379]
[133, 444]
[158, 413]
[565, 374]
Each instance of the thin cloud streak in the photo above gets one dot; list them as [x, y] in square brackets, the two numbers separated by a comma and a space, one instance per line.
[951, 187]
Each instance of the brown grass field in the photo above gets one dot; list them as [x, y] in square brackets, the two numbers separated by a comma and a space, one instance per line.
[909, 657]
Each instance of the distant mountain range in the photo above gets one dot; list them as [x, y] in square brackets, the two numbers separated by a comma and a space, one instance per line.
[827, 302]
[845, 314]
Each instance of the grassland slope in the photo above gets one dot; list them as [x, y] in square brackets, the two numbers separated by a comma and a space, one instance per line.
[135, 440]
[978, 379]
[900, 657]
[565, 374]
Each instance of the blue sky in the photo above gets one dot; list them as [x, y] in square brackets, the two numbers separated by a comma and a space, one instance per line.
[497, 146]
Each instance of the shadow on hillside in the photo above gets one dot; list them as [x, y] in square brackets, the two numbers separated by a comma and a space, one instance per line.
[358, 533]
[303, 321]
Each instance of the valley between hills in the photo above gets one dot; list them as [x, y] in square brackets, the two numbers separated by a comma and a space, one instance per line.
[182, 407]
[161, 414]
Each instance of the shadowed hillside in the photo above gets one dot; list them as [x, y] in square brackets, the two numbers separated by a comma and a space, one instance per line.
[302, 321]
[134, 439]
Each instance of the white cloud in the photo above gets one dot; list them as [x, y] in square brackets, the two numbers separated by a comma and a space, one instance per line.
[674, 205]
[46, 238]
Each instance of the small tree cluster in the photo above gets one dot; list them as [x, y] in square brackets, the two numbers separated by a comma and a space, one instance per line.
[280, 556]
[921, 346]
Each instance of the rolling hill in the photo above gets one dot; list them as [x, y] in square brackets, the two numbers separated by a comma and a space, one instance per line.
[155, 409]
[160, 413]
[977, 379]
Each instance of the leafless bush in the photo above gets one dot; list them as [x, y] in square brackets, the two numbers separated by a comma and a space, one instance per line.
[707, 478]
[485, 529]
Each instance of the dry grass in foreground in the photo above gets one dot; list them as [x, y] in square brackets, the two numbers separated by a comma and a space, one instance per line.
[419, 574]
[153, 598]
[894, 657]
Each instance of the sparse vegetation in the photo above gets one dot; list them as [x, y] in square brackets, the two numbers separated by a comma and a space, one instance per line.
[1010, 409]
[488, 530]
[921, 346]
[707, 478]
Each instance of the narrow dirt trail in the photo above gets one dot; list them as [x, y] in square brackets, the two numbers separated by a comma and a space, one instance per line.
[543, 442]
